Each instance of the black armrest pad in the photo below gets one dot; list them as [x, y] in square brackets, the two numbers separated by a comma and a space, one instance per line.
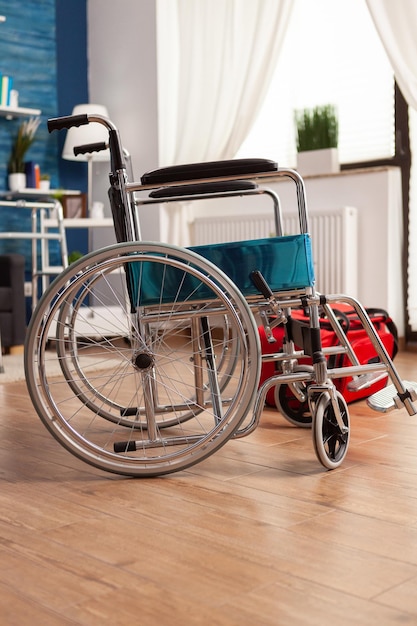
[209, 169]
[203, 188]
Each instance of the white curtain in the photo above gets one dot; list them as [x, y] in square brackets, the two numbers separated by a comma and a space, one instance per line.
[215, 62]
[396, 23]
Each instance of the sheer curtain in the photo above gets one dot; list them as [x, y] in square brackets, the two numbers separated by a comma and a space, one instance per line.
[357, 79]
[396, 23]
[215, 62]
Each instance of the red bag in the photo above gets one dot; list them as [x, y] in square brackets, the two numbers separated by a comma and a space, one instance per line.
[365, 351]
[358, 338]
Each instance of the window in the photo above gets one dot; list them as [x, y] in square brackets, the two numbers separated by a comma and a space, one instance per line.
[332, 54]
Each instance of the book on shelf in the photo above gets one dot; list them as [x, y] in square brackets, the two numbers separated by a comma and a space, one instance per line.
[6, 88]
[32, 172]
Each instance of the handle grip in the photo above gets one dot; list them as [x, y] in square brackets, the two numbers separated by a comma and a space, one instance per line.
[261, 284]
[68, 121]
[90, 147]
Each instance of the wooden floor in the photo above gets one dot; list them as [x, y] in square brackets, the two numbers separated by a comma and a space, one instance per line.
[259, 534]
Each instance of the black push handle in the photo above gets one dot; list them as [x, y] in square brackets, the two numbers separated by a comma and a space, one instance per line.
[68, 121]
[90, 147]
[261, 284]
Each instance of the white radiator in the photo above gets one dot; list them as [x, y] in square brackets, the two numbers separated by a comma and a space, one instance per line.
[334, 237]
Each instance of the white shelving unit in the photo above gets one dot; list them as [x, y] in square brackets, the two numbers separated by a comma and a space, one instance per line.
[10, 112]
[34, 193]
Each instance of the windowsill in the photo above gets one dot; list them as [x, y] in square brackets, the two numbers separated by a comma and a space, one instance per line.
[345, 172]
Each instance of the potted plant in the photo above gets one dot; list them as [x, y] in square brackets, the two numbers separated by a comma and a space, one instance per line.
[317, 140]
[45, 182]
[23, 140]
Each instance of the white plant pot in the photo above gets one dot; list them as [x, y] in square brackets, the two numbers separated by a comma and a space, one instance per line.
[17, 181]
[318, 162]
[44, 185]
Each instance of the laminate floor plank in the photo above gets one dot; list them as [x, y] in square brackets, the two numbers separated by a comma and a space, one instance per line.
[258, 534]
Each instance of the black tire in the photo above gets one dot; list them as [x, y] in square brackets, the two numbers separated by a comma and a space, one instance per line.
[295, 411]
[330, 443]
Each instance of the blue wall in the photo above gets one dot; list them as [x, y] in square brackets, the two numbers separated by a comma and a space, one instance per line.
[72, 81]
[28, 54]
[43, 46]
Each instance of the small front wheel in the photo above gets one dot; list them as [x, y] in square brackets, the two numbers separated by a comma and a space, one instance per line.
[330, 442]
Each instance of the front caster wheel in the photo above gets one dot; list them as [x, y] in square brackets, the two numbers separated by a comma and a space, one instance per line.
[330, 443]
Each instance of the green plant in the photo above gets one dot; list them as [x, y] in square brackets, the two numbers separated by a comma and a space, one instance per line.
[24, 139]
[74, 256]
[317, 128]
[45, 177]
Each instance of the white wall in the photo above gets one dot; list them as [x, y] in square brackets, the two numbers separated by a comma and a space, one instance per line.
[123, 76]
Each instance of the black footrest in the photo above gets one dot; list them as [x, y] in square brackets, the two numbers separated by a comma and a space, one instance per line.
[209, 169]
[204, 188]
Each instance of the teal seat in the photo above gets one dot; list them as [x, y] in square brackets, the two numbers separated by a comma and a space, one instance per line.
[285, 262]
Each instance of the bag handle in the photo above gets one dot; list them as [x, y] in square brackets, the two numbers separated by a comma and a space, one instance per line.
[386, 319]
[390, 324]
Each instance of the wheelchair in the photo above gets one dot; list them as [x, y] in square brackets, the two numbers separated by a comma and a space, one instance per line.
[144, 358]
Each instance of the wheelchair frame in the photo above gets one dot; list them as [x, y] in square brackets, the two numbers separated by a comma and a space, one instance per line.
[144, 358]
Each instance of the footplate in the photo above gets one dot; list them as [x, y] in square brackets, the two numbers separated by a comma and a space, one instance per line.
[387, 399]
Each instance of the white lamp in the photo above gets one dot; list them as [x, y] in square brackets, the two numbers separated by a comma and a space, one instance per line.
[87, 134]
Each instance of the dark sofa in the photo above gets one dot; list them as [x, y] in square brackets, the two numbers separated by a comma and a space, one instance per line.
[12, 300]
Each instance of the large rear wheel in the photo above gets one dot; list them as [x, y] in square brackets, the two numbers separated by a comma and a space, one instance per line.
[142, 359]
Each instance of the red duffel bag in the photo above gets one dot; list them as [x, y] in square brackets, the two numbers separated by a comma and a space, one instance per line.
[358, 338]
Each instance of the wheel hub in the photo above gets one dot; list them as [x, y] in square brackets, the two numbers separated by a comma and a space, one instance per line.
[143, 361]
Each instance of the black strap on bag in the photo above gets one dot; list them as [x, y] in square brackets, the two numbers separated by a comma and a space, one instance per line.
[389, 323]
[346, 317]
[341, 317]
